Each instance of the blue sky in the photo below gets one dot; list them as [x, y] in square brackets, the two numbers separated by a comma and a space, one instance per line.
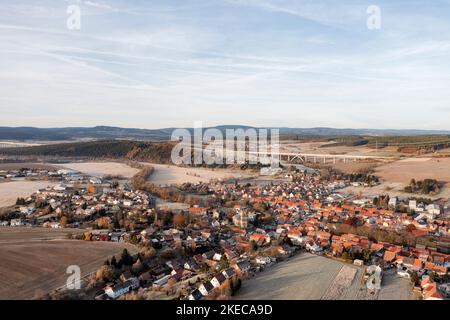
[168, 63]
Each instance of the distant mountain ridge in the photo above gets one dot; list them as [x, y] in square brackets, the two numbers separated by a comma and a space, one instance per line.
[107, 132]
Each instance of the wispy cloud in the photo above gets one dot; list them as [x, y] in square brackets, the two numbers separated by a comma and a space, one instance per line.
[264, 62]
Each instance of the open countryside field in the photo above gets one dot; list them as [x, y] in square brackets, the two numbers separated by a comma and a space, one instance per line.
[8, 234]
[312, 277]
[304, 277]
[30, 264]
[100, 169]
[29, 165]
[418, 168]
[10, 191]
[395, 287]
[162, 175]
[396, 175]
[328, 148]
[169, 174]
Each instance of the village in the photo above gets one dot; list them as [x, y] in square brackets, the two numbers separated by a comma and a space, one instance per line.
[238, 229]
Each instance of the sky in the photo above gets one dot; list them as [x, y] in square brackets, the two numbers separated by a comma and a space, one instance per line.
[278, 63]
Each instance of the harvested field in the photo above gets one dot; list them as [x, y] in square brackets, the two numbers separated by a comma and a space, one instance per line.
[395, 287]
[30, 264]
[8, 234]
[10, 191]
[167, 174]
[304, 277]
[354, 166]
[330, 148]
[100, 169]
[393, 189]
[312, 277]
[418, 168]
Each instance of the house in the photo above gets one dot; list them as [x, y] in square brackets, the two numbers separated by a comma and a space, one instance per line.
[16, 222]
[180, 274]
[263, 260]
[323, 235]
[209, 255]
[240, 220]
[228, 273]
[392, 202]
[404, 272]
[148, 231]
[417, 265]
[427, 282]
[231, 254]
[358, 262]
[286, 250]
[120, 289]
[295, 236]
[217, 257]
[218, 280]
[389, 256]
[260, 239]
[377, 249]
[162, 281]
[195, 295]
[126, 275]
[53, 225]
[206, 288]
[198, 211]
[433, 210]
[26, 210]
[406, 262]
[116, 236]
[145, 278]
[242, 267]
[314, 247]
[191, 265]
[430, 290]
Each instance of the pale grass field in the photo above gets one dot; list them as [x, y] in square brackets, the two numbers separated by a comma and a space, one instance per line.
[396, 175]
[10, 191]
[311, 277]
[317, 148]
[392, 189]
[100, 169]
[169, 174]
[304, 277]
[418, 168]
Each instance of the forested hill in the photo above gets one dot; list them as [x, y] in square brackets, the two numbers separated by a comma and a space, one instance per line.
[158, 152]
[106, 132]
